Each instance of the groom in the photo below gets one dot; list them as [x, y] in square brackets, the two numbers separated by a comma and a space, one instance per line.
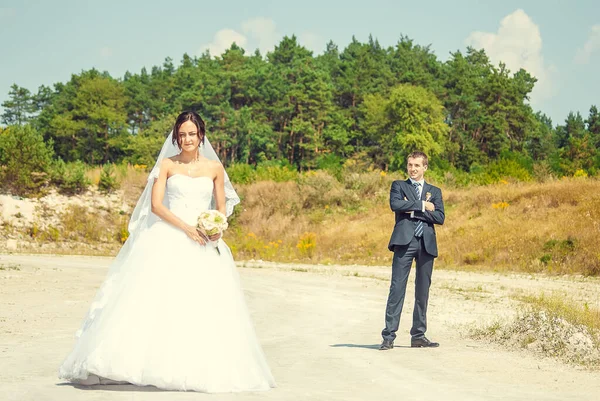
[418, 206]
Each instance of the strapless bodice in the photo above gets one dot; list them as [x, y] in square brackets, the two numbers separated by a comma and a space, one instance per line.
[189, 196]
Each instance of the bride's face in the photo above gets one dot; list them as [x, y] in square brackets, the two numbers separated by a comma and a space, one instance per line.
[189, 138]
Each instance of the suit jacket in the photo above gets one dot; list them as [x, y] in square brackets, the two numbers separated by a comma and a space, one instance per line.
[403, 198]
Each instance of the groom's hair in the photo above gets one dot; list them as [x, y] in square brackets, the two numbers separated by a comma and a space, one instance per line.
[189, 116]
[414, 155]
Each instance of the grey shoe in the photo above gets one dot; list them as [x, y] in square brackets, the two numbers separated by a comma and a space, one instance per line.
[423, 342]
[386, 344]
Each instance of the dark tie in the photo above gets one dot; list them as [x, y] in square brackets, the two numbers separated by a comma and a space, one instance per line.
[419, 225]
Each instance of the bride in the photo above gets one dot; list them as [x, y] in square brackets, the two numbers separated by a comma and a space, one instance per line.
[171, 312]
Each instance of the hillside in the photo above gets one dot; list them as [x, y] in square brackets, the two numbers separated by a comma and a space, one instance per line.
[533, 227]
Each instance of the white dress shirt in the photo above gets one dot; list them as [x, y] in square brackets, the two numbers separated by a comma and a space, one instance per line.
[422, 183]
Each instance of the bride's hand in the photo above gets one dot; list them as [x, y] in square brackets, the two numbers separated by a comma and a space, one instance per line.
[195, 235]
[215, 237]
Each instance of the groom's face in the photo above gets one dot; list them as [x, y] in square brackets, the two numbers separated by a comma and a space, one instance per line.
[416, 168]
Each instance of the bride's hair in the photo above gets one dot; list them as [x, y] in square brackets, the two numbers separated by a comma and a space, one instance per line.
[188, 116]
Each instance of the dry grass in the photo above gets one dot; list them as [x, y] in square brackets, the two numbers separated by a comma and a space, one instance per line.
[10, 267]
[551, 326]
[78, 230]
[550, 227]
[575, 313]
[93, 174]
[130, 178]
[345, 228]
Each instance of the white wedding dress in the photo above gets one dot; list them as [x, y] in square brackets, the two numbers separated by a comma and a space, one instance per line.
[174, 315]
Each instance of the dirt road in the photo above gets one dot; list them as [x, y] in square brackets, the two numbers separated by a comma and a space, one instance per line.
[319, 327]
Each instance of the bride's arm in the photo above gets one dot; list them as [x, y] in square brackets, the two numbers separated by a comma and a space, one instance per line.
[158, 194]
[219, 194]
[220, 188]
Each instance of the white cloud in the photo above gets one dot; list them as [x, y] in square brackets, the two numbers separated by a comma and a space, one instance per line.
[257, 33]
[223, 40]
[518, 44]
[263, 33]
[312, 41]
[593, 44]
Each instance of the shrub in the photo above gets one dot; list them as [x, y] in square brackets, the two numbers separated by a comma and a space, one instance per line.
[240, 173]
[320, 189]
[24, 160]
[122, 233]
[143, 147]
[473, 258]
[331, 163]
[307, 244]
[499, 170]
[108, 181]
[51, 234]
[269, 198]
[368, 185]
[70, 178]
[274, 170]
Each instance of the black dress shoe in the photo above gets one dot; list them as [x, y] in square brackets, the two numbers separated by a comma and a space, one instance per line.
[423, 342]
[386, 344]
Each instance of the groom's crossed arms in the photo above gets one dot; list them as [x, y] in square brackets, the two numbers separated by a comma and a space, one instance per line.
[404, 199]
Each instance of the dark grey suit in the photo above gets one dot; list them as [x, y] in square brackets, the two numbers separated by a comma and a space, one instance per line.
[407, 247]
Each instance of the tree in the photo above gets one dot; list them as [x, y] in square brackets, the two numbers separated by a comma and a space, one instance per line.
[143, 148]
[416, 65]
[24, 159]
[593, 125]
[304, 110]
[19, 108]
[88, 119]
[364, 69]
[410, 119]
[488, 114]
[577, 150]
[539, 141]
[300, 114]
[138, 103]
[574, 128]
[465, 77]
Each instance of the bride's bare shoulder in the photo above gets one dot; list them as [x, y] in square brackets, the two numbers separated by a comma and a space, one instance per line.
[216, 165]
[168, 162]
[172, 159]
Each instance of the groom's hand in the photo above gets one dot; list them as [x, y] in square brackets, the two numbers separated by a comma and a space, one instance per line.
[429, 206]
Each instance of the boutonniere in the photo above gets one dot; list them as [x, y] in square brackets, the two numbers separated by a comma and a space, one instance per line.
[428, 196]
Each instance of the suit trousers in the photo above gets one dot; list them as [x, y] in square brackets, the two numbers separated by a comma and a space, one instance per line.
[401, 265]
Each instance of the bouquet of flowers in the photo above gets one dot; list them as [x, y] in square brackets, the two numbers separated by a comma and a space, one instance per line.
[212, 222]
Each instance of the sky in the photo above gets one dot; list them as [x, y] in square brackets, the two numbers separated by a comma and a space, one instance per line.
[45, 42]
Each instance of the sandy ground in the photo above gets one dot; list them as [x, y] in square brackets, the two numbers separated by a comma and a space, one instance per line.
[319, 327]
[45, 210]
